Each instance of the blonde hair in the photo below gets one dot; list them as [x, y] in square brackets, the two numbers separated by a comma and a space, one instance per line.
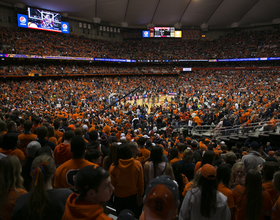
[187, 155]
[236, 166]
[10, 170]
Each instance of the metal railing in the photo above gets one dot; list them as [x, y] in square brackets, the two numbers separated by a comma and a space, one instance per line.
[263, 127]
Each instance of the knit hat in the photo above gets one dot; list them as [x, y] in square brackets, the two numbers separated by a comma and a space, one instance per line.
[270, 153]
[208, 171]
[161, 198]
[106, 129]
[104, 139]
[32, 148]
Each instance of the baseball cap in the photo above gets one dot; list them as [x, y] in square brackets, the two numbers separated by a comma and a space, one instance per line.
[254, 145]
[162, 195]
[208, 171]
[32, 148]
[85, 127]
[87, 178]
[126, 214]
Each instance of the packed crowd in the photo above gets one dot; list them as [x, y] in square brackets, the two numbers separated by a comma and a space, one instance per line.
[67, 170]
[202, 97]
[235, 45]
[66, 69]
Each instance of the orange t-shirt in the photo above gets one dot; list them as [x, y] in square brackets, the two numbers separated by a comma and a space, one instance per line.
[15, 152]
[268, 186]
[228, 193]
[65, 173]
[53, 140]
[174, 160]
[145, 152]
[240, 199]
[58, 134]
[24, 140]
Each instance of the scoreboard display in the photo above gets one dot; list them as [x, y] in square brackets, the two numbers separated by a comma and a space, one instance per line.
[162, 32]
[41, 19]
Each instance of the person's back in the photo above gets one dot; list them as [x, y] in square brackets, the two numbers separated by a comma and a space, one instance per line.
[42, 133]
[43, 201]
[253, 158]
[251, 201]
[26, 137]
[62, 152]
[127, 178]
[65, 173]
[8, 146]
[204, 201]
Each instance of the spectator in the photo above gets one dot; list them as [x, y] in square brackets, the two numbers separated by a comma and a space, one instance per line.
[11, 185]
[253, 158]
[94, 187]
[65, 173]
[161, 200]
[127, 179]
[275, 214]
[156, 166]
[62, 152]
[205, 201]
[251, 201]
[43, 201]
[9, 144]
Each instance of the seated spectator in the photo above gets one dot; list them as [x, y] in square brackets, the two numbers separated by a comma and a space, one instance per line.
[43, 201]
[161, 200]
[11, 185]
[94, 187]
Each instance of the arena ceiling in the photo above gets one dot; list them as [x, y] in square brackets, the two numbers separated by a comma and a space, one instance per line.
[178, 13]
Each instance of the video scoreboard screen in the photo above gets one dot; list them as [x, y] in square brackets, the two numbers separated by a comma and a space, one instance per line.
[43, 20]
[162, 32]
